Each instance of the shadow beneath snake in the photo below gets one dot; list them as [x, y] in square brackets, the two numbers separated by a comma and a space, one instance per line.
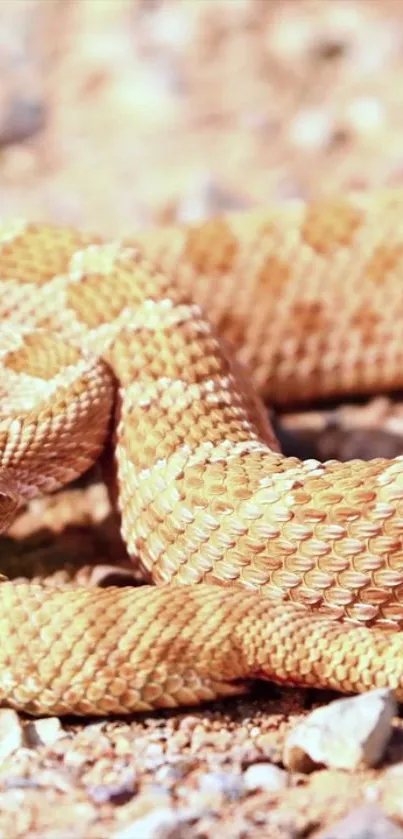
[337, 443]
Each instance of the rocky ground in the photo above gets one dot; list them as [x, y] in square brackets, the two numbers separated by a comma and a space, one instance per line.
[119, 114]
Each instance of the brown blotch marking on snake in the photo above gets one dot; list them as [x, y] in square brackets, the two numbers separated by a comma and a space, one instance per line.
[100, 298]
[88, 300]
[41, 356]
[143, 355]
[39, 253]
[309, 317]
[232, 327]
[385, 259]
[211, 248]
[46, 324]
[274, 274]
[365, 320]
[330, 224]
[305, 320]
[151, 435]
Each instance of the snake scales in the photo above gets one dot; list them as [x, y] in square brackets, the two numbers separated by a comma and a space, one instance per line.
[109, 342]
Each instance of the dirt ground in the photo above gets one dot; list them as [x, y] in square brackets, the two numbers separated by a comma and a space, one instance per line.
[120, 114]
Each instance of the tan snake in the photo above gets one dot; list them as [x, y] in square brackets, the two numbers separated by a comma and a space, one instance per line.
[134, 344]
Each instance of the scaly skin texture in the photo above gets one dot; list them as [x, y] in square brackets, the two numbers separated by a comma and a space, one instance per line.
[138, 344]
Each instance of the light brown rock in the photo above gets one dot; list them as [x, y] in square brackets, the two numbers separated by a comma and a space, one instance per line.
[265, 776]
[12, 735]
[346, 734]
[44, 731]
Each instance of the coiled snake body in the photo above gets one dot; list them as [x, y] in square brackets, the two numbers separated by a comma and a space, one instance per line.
[146, 345]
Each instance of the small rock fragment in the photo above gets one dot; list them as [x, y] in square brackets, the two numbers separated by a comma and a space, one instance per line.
[265, 776]
[168, 775]
[343, 735]
[228, 784]
[151, 825]
[119, 793]
[22, 118]
[12, 735]
[367, 822]
[311, 130]
[208, 198]
[159, 824]
[44, 732]
[366, 115]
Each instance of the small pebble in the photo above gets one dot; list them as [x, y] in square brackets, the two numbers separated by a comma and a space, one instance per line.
[119, 793]
[227, 784]
[12, 735]
[265, 776]
[366, 115]
[158, 824]
[367, 822]
[168, 775]
[208, 198]
[311, 130]
[44, 732]
[23, 118]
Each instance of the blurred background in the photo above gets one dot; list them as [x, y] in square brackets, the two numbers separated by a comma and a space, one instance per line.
[118, 114]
